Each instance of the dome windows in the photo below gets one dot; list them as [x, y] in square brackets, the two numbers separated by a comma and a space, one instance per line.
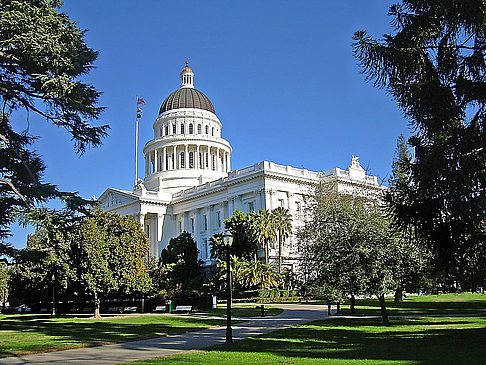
[199, 129]
[191, 128]
[182, 128]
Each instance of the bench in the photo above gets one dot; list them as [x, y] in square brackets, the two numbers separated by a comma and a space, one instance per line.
[262, 309]
[115, 309]
[42, 310]
[129, 309]
[183, 308]
[160, 308]
[87, 310]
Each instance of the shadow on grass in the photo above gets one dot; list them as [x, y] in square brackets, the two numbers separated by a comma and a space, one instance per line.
[426, 342]
[30, 334]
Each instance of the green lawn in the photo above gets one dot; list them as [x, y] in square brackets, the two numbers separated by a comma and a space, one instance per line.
[25, 334]
[419, 340]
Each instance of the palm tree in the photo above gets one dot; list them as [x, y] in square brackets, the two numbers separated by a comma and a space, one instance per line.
[263, 229]
[282, 221]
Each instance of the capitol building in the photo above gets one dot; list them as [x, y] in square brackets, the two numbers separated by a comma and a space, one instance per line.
[189, 184]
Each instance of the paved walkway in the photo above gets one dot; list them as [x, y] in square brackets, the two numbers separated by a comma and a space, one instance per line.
[293, 314]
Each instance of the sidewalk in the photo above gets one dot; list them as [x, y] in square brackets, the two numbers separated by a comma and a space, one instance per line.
[293, 314]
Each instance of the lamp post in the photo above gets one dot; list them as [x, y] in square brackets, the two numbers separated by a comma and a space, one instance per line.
[228, 241]
[53, 295]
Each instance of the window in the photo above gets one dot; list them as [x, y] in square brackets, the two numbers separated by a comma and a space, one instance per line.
[207, 160]
[182, 128]
[167, 161]
[161, 132]
[207, 130]
[298, 209]
[204, 250]
[174, 129]
[192, 225]
[191, 129]
[251, 206]
[205, 223]
[191, 160]
[183, 162]
[180, 227]
[200, 160]
[166, 130]
[147, 230]
[218, 218]
[281, 202]
[214, 163]
[212, 131]
[199, 129]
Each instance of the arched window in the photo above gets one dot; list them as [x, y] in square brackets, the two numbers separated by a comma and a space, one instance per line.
[191, 129]
[207, 130]
[174, 129]
[191, 160]
[212, 131]
[161, 132]
[207, 159]
[166, 130]
[182, 128]
[183, 162]
[199, 129]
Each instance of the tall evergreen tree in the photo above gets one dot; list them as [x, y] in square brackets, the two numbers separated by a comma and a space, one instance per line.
[433, 65]
[42, 56]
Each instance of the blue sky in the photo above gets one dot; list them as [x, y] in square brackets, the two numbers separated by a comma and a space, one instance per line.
[280, 74]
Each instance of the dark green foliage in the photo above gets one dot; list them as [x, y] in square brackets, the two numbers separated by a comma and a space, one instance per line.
[434, 66]
[244, 242]
[182, 254]
[42, 57]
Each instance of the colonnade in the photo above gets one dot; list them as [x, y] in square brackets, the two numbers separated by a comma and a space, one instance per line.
[187, 156]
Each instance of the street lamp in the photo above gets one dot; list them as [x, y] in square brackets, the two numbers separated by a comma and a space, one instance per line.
[53, 295]
[228, 241]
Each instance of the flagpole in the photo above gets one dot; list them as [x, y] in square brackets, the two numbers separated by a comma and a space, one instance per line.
[136, 147]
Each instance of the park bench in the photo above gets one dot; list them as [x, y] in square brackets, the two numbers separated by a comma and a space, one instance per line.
[43, 310]
[129, 309]
[262, 309]
[183, 308]
[87, 310]
[160, 308]
[115, 309]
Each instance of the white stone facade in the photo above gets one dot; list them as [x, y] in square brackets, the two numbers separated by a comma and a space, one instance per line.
[189, 185]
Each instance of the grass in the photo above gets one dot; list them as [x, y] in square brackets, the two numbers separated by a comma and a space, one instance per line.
[337, 341]
[26, 334]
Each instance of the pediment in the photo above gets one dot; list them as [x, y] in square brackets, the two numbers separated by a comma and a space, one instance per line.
[112, 198]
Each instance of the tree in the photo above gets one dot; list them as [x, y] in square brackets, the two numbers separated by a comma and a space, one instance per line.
[42, 57]
[349, 248]
[182, 253]
[282, 221]
[411, 248]
[4, 279]
[263, 229]
[244, 243]
[112, 253]
[434, 66]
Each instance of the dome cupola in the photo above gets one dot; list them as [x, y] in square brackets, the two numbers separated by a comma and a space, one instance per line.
[187, 96]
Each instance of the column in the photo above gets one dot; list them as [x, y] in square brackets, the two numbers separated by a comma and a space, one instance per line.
[228, 164]
[175, 158]
[156, 161]
[146, 165]
[141, 219]
[186, 157]
[164, 159]
[197, 165]
[224, 161]
[158, 234]
[218, 160]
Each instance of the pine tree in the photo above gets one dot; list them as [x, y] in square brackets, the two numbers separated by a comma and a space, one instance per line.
[433, 65]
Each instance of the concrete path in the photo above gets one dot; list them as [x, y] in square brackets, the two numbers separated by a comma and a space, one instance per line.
[293, 314]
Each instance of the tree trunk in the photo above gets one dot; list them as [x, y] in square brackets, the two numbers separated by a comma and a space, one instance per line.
[279, 254]
[352, 305]
[265, 248]
[398, 295]
[384, 314]
[96, 306]
[338, 308]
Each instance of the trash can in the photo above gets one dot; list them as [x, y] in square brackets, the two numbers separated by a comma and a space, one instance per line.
[215, 302]
[168, 306]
